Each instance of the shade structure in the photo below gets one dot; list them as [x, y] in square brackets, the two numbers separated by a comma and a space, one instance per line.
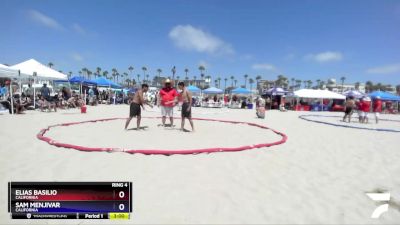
[194, 89]
[320, 94]
[32, 66]
[82, 80]
[5, 71]
[213, 90]
[241, 91]
[275, 91]
[354, 93]
[103, 82]
[384, 96]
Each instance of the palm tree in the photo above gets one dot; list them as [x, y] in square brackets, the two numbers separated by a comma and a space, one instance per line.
[342, 79]
[258, 77]
[232, 78]
[89, 74]
[69, 75]
[117, 75]
[298, 83]
[245, 80]
[216, 83]
[105, 73]
[194, 80]
[50, 64]
[130, 70]
[304, 83]
[186, 72]
[293, 80]
[322, 84]
[202, 68]
[235, 82]
[147, 78]
[159, 71]
[138, 78]
[84, 71]
[309, 83]
[173, 70]
[318, 83]
[219, 82]
[251, 82]
[114, 73]
[225, 79]
[368, 86]
[80, 73]
[144, 71]
[98, 70]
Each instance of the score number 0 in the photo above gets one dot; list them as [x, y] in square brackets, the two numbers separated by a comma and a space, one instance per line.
[121, 206]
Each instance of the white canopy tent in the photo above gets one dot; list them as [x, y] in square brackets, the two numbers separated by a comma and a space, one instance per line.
[319, 94]
[37, 70]
[32, 66]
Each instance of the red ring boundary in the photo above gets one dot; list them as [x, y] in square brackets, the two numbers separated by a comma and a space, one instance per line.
[41, 136]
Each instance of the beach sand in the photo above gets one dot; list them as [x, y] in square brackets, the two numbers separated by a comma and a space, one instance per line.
[319, 176]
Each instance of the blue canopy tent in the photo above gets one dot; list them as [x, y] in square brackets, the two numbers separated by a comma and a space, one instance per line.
[241, 91]
[354, 93]
[81, 80]
[103, 82]
[213, 90]
[194, 89]
[384, 96]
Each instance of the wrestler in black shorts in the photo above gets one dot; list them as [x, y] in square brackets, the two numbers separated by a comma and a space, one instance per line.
[135, 110]
[185, 113]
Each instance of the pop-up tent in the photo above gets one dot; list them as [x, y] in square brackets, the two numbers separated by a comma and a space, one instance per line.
[241, 91]
[354, 93]
[384, 96]
[103, 82]
[193, 89]
[32, 66]
[275, 91]
[213, 90]
[81, 80]
[319, 94]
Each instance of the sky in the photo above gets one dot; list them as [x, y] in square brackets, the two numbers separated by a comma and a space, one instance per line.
[306, 40]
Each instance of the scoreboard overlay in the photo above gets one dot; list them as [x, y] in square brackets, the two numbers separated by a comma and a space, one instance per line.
[70, 200]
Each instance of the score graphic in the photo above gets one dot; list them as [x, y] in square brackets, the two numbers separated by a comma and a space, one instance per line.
[70, 200]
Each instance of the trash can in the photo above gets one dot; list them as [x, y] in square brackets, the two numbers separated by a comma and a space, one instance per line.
[83, 109]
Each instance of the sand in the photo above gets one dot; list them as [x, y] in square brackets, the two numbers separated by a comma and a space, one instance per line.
[320, 175]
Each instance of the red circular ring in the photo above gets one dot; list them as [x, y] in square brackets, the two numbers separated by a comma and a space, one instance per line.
[41, 136]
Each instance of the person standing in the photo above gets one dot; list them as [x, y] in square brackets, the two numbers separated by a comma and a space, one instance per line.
[45, 92]
[186, 106]
[167, 98]
[135, 110]
[377, 108]
[348, 108]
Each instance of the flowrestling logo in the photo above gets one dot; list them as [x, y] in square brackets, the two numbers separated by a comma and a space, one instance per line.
[379, 197]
